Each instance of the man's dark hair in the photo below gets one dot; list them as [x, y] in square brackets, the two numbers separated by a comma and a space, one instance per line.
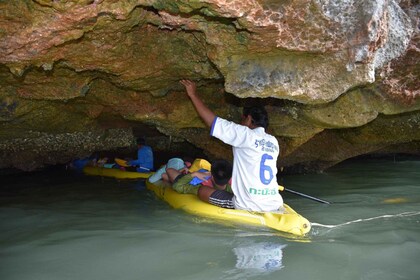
[221, 170]
[258, 114]
[141, 141]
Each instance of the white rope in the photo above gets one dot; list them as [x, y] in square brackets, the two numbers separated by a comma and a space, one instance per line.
[405, 214]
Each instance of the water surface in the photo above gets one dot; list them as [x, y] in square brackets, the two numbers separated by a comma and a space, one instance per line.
[57, 225]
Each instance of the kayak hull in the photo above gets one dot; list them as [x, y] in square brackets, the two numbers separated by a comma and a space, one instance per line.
[115, 173]
[288, 222]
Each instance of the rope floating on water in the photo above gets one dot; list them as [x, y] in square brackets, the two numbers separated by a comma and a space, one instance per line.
[405, 214]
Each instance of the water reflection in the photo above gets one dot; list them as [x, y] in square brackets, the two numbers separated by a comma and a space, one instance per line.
[254, 259]
[264, 256]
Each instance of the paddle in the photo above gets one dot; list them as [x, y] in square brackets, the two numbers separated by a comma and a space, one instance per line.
[281, 188]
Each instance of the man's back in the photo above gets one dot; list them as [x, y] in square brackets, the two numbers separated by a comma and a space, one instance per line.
[144, 158]
[255, 152]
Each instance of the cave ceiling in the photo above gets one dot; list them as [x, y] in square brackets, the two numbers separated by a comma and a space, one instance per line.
[339, 78]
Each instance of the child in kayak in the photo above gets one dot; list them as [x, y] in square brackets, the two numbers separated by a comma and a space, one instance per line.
[174, 163]
[217, 178]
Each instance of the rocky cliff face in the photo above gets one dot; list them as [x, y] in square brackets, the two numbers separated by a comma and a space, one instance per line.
[339, 78]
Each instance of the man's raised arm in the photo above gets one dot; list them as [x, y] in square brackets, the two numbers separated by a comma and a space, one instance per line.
[203, 111]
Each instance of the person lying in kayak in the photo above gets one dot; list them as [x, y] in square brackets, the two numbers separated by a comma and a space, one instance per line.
[217, 178]
[175, 163]
[182, 165]
[255, 152]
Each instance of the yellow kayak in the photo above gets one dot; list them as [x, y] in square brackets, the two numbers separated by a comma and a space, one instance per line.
[115, 173]
[289, 221]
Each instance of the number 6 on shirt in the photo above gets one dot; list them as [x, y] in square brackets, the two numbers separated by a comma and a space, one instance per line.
[265, 169]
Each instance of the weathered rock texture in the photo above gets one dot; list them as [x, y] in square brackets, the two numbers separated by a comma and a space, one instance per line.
[339, 78]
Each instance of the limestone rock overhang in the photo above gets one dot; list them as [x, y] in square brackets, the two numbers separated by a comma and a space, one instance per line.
[339, 79]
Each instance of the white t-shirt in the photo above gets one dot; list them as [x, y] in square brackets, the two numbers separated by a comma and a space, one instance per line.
[255, 153]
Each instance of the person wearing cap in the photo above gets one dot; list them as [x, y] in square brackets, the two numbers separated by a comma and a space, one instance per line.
[218, 178]
[144, 161]
[174, 163]
[255, 154]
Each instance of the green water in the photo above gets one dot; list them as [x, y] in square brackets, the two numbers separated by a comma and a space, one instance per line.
[62, 226]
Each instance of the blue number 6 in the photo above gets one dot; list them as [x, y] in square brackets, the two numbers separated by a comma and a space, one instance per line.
[264, 168]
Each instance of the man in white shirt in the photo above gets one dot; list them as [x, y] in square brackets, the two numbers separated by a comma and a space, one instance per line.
[254, 182]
